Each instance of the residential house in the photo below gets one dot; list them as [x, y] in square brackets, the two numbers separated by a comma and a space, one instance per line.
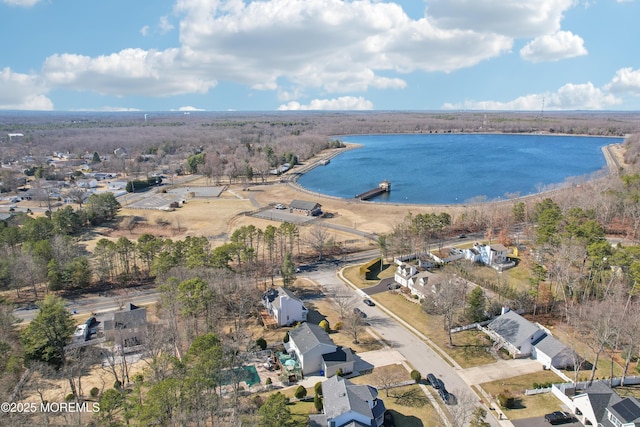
[522, 338]
[304, 207]
[284, 306]
[127, 326]
[404, 272]
[348, 404]
[599, 405]
[87, 183]
[314, 350]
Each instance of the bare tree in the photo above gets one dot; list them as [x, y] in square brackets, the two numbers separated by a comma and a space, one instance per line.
[318, 239]
[465, 404]
[447, 300]
[354, 325]
[343, 303]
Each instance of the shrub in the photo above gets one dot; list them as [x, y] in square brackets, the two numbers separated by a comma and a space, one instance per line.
[324, 324]
[506, 399]
[338, 326]
[268, 381]
[262, 343]
[117, 385]
[258, 401]
[317, 403]
[300, 392]
[69, 397]
[416, 376]
[286, 337]
[339, 372]
[318, 388]
[94, 392]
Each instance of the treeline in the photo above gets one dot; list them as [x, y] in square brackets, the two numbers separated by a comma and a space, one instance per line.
[43, 249]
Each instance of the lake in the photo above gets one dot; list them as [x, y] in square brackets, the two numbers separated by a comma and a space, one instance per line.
[455, 168]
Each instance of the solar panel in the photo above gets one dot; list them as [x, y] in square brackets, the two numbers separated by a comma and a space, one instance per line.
[628, 409]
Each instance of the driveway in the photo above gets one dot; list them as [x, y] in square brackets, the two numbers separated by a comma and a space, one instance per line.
[539, 421]
[375, 358]
[380, 287]
[502, 369]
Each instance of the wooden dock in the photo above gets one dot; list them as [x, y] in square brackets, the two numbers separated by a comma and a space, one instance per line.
[383, 187]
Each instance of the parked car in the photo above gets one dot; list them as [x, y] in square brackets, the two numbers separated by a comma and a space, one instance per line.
[558, 417]
[360, 312]
[446, 397]
[431, 379]
[369, 302]
[280, 206]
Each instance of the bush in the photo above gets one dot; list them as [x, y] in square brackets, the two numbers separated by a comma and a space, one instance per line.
[318, 388]
[268, 381]
[324, 324]
[286, 337]
[338, 326]
[258, 400]
[339, 372]
[416, 376]
[117, 385]
[69, 397]
[506, 399]
[262, 343]
[300, 392]
[94, 392]
[317, 403]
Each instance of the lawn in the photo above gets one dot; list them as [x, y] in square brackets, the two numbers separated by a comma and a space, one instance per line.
[468, 347]
[527, 406]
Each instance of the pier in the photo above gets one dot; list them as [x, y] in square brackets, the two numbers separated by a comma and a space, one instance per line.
[383, 187]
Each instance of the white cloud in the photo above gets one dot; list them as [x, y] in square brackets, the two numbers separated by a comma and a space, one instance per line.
[22, 92]
[190, 108]
[144, 30]
[568, 97]
[128, 72]
[513, 18]
[626, 80]
[554, 47]
[165, 25]
[343, 103]
[21, 3]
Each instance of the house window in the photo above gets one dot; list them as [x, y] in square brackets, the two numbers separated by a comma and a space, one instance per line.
[613, 419]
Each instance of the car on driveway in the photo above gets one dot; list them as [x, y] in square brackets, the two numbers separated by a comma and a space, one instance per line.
[360, 312]
[558, 417]
[431, 379]
[447, 397]
[280, 206]
[369, 302]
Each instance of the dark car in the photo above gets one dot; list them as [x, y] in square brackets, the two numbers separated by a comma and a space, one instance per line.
[360, 312]
[445, 396]
[432, 379]
[558, 417]
[369, 302]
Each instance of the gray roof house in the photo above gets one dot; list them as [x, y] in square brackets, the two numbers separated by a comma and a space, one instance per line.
[600, 405]
[305, 208]
[347, 404]
[522, 338]
[127, 326]
[285, 308]
[312, 347]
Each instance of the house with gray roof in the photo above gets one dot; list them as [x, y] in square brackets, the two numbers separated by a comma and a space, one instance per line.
[304, 207]
[315, 351]
[348, 404]
[285, 308]
[598, 404]
[522, 338]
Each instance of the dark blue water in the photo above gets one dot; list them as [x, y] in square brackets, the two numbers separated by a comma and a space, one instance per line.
[455, 168]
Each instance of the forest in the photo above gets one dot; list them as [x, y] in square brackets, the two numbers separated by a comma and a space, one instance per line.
[209, 294]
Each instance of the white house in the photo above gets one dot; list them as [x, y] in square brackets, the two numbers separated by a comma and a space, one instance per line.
[404, 272]
[522, 338]
[285, 308]
[600, 405]
[348, 404]
[314, 350]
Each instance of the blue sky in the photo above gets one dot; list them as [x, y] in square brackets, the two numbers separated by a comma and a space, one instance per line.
[268, 55]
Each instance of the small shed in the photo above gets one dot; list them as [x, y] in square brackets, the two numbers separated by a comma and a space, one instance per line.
[304, 207]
